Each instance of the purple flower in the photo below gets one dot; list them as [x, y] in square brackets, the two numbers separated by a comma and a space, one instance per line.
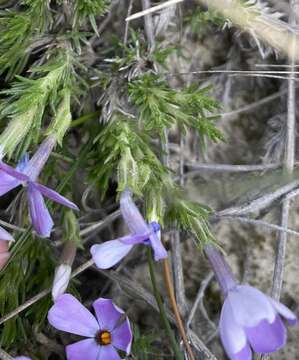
[22, 358]
[111, 252]
[26, 174]
[107, 332]
[250, 320]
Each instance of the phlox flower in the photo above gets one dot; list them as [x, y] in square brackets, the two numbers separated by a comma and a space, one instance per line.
[250, 320]
[26, 174]
[111, 252]
[106, 333]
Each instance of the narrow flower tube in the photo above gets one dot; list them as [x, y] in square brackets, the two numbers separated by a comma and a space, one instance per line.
[137, 224]
[64, 269]
[250, 320]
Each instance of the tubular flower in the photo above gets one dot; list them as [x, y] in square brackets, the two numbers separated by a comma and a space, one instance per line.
[250, 320]
[106, 333]
[111, 252]
[26, 174]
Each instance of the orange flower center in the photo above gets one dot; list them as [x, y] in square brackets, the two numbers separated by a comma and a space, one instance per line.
[104, 337]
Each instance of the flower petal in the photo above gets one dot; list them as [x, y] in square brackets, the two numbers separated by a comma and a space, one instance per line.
[13, 172]
[109, 253]
[68, 314]
[40, 216]
[22, 358]
[284, 312]
[122, 337]
[267, 337]
[85, 349]
[7, 183]
[107, 313]
[156, 243]
[53, 195]
[108, 353]
[233, 336]
[250, 306]
[5, 236]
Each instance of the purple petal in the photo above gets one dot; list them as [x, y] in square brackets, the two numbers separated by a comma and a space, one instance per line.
[156, 243]
[107, 313]
[267, 337]
[5, 236]
[109, 253]
[137, 224]
[7, 183]
[22, 358]
[250, 306]
[122, 337]
[133, 239]
[40, 216]
[14, 173]
[68, 314]
[131, 214]
[233, 336]
[108, 353]
[284, 312]
[40, 157]
[23, 163]
[85, 349]
[53, 195]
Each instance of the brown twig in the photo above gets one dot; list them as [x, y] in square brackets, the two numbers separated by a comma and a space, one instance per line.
[170, 291]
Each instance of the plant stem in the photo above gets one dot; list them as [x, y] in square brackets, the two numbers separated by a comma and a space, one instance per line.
[169, 288]
[84, 118]
[176, 349]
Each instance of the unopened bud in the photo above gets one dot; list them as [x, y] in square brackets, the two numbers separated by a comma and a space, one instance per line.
[61, 280]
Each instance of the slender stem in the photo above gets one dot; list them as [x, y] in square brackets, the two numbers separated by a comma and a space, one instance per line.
[176, 349]
[169, 288]
[84, 118]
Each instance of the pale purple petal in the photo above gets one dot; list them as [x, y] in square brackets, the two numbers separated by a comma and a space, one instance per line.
[40, 216]
[107, 313]
[109, 253]
[132, 215]
[7, 183]
[22, 358]
[53, 195]
[85, 349]
[108, 353]
[14, 173]
[285, 312]
[40, 157]
[68, 314]
[233, 336]
[250, 306]
[267, 337]
[122, 337]
[5, 236]
[134, 239]
[156, 243]
[21, 166]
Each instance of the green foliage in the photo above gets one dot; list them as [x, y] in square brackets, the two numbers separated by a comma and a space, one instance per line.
[160, 107]
[89, 9]
[19, 281]
[18, 30]
[70, 227]
[198, 19]
[143, 345]
[124, 150]
[191, 217]
[27, 100]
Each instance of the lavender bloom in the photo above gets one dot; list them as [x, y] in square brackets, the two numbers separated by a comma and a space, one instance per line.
[108, 332]
[26, 174]
[250, 320]
[111, 252]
